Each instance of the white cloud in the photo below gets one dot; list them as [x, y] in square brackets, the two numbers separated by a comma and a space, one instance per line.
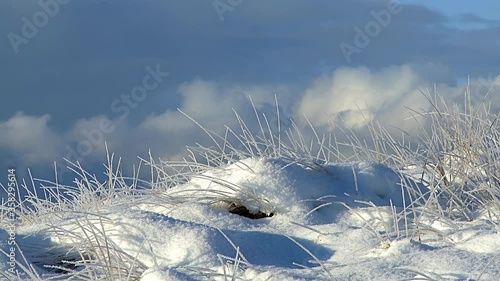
[210, 103]
[30, 138]
[203, 100]
[93, 133]
[359, 95]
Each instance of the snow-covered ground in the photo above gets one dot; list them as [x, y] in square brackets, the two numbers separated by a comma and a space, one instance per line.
[325, 222]
[275, 210]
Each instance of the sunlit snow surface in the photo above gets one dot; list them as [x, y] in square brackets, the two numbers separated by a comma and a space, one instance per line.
[330, 222]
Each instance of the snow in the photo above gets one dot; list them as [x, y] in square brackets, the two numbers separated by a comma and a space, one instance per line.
[331, 221]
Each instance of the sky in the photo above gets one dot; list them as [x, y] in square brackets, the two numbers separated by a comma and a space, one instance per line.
[76, 74]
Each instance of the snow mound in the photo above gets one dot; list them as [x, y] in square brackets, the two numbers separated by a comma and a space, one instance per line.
[277, 186]
[330, 222]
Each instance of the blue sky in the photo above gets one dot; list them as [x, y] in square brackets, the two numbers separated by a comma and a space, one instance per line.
[67, 84]
[486, 9]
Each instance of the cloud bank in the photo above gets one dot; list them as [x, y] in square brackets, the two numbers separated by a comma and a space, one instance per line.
[353, 95]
